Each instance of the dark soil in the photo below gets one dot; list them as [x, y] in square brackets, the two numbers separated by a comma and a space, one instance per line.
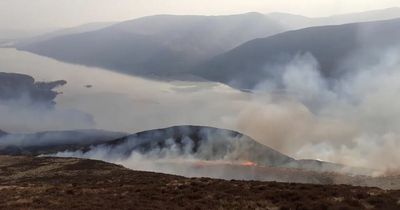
[67, 183]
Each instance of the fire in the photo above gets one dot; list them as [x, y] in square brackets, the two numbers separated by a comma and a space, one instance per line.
[200, 164]
[248, 163]
[205, 163]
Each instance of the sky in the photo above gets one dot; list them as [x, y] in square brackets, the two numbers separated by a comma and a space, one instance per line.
[48, 14]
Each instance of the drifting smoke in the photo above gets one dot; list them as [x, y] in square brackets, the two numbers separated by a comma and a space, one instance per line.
[199, 151]
[187, 151]
[196, 151]
[185, 144]
[353, 120]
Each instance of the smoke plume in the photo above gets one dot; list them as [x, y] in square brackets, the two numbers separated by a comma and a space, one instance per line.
[353, 120]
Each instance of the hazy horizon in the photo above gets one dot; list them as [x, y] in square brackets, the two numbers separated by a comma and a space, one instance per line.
[48, 15]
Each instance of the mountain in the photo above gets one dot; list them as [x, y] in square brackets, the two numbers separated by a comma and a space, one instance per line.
[292, 22]
[157, 45]
[169, 45]
[62, 32]
[253, 62]
[368, 16]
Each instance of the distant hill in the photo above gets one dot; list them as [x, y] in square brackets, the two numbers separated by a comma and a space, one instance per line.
[292, 22]
[62, 32]
[247, 65]
[159, 45]
[169, 45]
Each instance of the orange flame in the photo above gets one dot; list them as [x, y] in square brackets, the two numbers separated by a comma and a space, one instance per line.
[200, 163]
[248, 163]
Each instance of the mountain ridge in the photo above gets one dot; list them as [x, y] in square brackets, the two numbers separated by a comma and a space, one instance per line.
[165, 46]
[248, 64]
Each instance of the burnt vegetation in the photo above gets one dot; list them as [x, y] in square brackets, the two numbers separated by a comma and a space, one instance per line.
[68, 183]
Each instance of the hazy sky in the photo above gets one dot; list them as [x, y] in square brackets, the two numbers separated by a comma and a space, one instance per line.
[33, 14]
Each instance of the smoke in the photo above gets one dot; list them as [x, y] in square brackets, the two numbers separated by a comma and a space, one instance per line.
[189, 142]
[189, 151]
[163, 151]
[353, 120]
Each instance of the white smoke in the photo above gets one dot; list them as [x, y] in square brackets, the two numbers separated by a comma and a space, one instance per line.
[215, 148]
[354, 122]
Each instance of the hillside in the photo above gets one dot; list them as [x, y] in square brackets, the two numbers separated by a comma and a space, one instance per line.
[63, 32]
[192, 151]
[203, 143]
[54, 183]
[172, 146]
[293, 22]
[170, 46]
[156, 45]
[260, 59]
